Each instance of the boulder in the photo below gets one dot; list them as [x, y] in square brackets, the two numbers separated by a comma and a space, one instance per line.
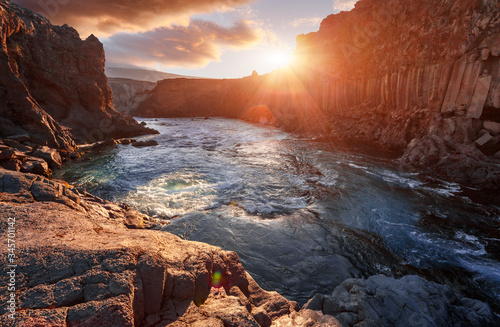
[13, 164]
[7, 154]
[104, 145]
[36, 166]
[492, 127]
[145, 143]
[16, 145]
[51, 156]
[409, 301]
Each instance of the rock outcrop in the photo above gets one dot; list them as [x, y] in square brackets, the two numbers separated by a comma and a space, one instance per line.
[52, 84]
[128, 94]
[409, 301]
[418, 77]
[79, 265]
[82, 261]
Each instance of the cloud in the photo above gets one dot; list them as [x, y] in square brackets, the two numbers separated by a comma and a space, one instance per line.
[106, 17]
[308, 21]
[343, 5]
[189, 46]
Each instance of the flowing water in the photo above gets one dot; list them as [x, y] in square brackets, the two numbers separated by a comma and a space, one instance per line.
[303, 216]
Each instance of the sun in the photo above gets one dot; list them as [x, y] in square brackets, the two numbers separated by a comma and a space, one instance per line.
[279, 58]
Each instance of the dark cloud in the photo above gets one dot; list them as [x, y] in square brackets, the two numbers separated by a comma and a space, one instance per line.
[106, 17]
[192, 46]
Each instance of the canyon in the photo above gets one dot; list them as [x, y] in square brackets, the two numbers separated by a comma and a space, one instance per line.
[424, 81]
[420, 78]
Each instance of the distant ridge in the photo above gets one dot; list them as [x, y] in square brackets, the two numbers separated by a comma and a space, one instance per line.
[142, 74]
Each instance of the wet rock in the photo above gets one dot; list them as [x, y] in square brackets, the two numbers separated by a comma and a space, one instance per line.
[411, 300]
[127, 141]
[145, 143]
[104, 145]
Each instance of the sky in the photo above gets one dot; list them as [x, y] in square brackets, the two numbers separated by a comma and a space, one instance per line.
[205, 38]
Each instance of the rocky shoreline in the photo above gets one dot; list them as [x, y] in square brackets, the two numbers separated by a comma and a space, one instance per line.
[83, 261]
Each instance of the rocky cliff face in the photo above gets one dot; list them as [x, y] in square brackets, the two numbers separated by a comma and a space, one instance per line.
[52, 83]
[422, 77]
[418, 77]
[128, 94]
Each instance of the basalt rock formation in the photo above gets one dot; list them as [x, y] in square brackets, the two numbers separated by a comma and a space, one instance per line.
[52, 84]
[418, 77]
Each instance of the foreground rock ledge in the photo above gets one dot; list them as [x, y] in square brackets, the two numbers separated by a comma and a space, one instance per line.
[79, 265]
[83, 261]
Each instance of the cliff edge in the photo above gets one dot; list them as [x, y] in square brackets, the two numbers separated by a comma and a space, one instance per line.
[52, 84]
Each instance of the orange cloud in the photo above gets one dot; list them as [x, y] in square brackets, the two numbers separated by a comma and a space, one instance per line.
[189, 46]
[106, 17]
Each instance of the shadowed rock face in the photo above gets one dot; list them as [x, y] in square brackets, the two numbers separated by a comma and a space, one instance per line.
[52, 84]
[129, 93]
[418, 77]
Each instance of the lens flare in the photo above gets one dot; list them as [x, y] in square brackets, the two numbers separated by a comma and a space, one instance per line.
[216, 279]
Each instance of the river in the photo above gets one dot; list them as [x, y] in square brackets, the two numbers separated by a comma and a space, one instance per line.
[303, 216]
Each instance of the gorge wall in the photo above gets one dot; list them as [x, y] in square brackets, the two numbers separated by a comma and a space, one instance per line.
[52, 84]
[418, 77]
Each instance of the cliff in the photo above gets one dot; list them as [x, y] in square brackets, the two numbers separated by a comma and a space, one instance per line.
[129, 93]
[52, 84]
[418, 77]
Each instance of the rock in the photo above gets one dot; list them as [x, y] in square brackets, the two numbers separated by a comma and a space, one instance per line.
[20, 138]
[45, 192]
[492, 127]
[145, 143]
[484, 139]
[15, 182]
[127, 141]
[480, 95]
[105, 144]
[411, 300]
[13, 164]
[90, 270]
[19, 146]
[52, 156]
[53, 78]
[7, 154]
[36, 166]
